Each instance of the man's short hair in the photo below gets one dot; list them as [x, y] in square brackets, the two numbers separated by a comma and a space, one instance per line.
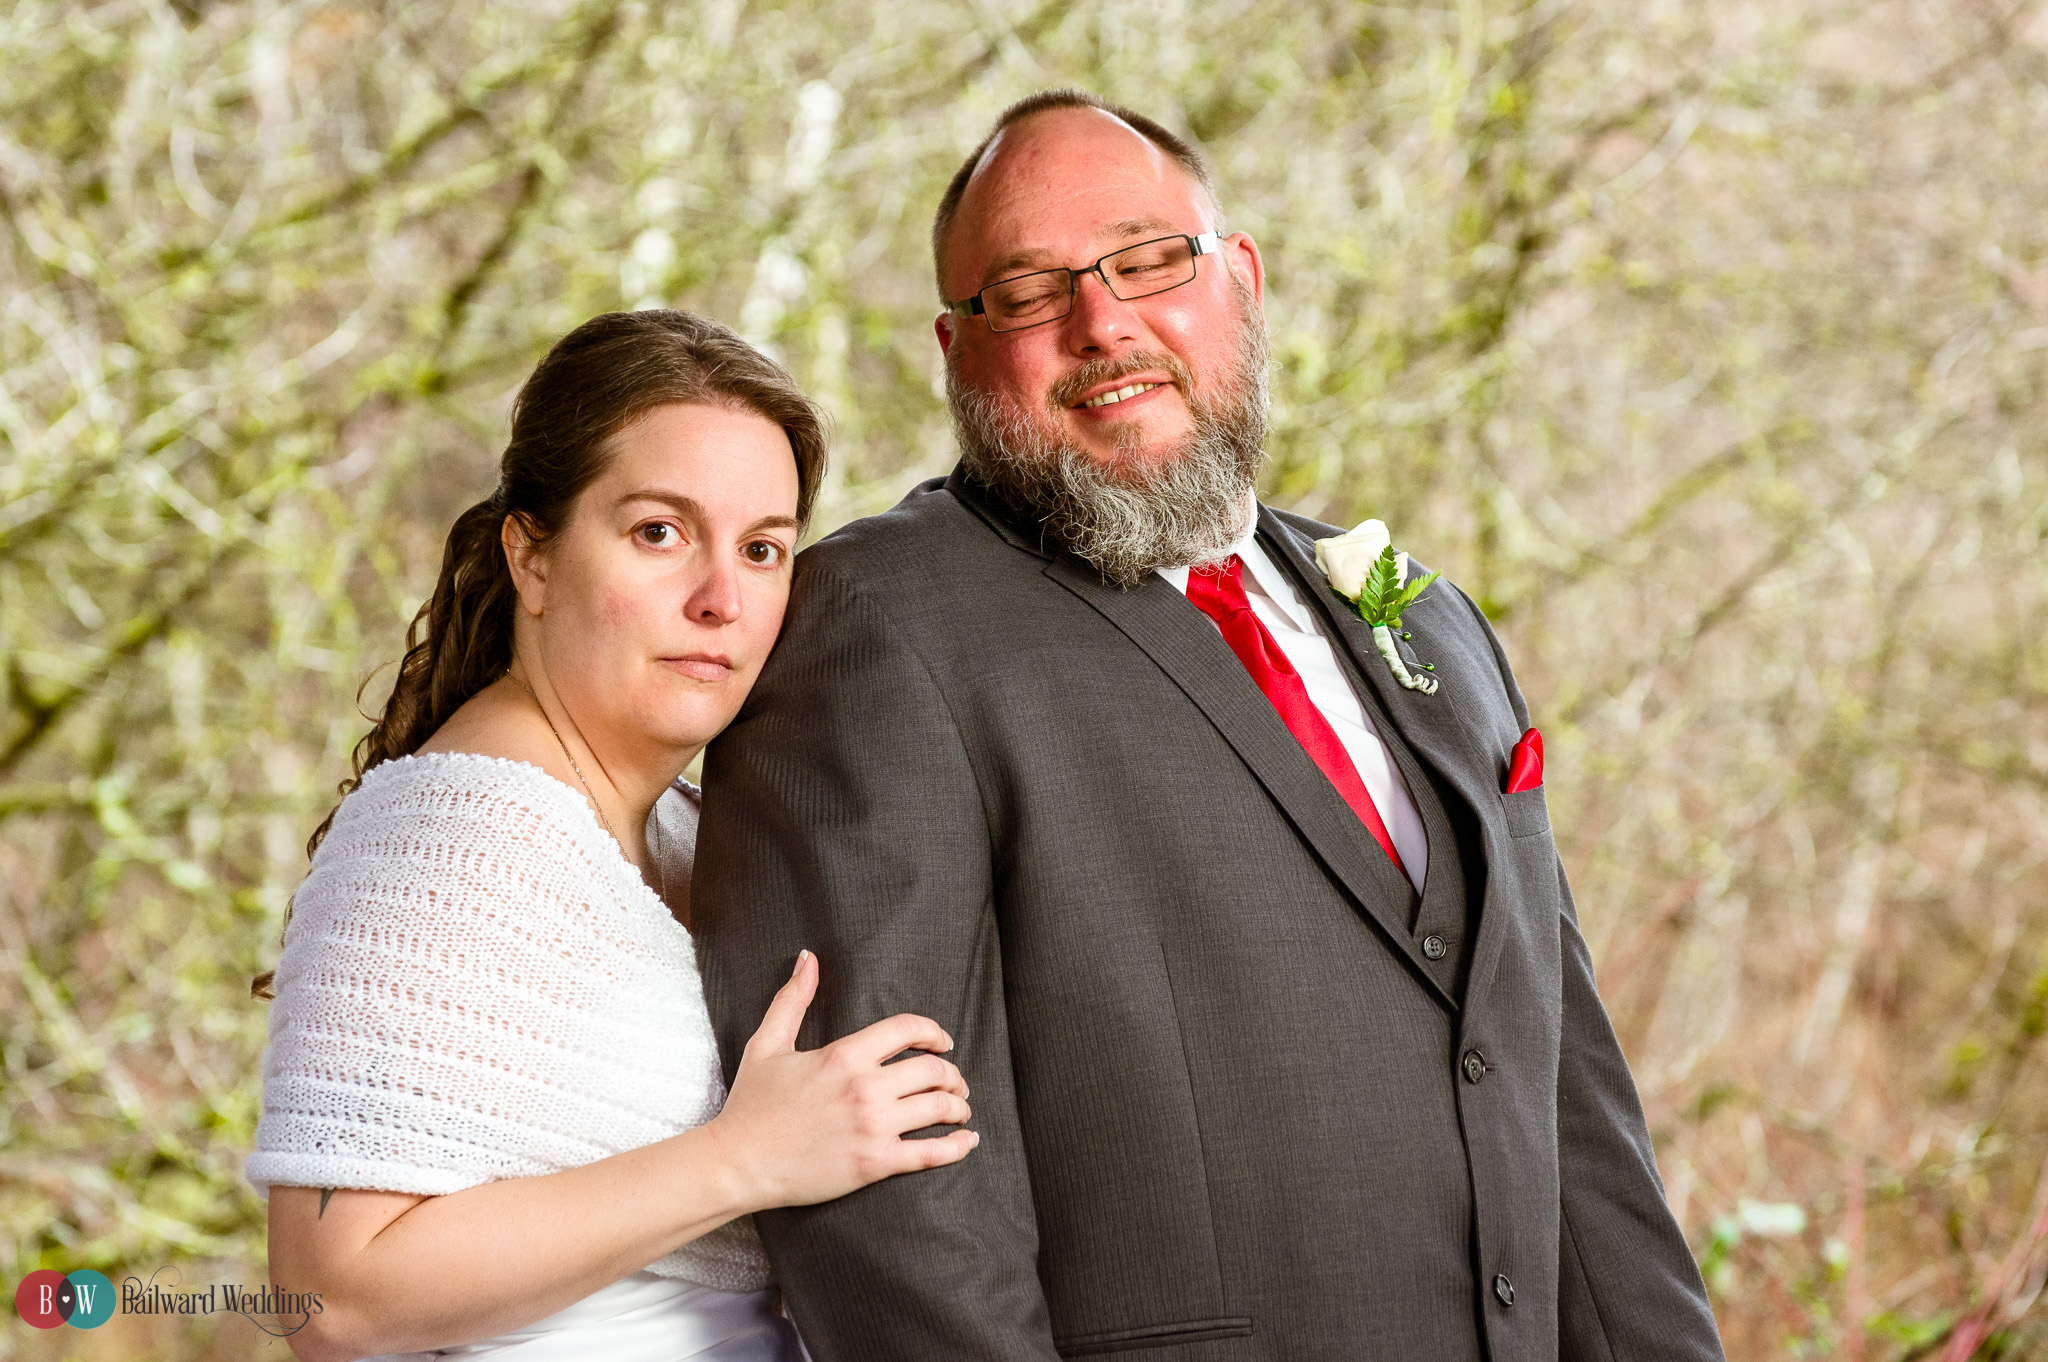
[1189, 159]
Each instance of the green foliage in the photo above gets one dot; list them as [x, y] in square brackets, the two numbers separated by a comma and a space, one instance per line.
[1383, 598]
[1918, 1335]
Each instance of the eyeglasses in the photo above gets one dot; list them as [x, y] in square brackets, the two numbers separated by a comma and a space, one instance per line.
[1139, 271]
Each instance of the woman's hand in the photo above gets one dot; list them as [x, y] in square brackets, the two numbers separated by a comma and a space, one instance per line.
[801, 1127]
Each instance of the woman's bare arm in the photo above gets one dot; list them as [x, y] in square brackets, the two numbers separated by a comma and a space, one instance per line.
[401, 1273]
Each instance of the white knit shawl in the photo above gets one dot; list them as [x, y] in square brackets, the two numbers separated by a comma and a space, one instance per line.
[477, 984]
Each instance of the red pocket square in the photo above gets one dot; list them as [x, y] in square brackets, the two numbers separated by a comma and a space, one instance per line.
[1525, 768]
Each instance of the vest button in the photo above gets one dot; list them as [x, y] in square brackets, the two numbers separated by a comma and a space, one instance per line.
[1503, 1289]
[1475, 1066]
[1434, 947]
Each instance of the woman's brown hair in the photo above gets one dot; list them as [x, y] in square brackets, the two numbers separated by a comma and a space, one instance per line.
[596, 381]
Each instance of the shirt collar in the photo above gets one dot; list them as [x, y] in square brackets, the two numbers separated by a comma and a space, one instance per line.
[1262, 576]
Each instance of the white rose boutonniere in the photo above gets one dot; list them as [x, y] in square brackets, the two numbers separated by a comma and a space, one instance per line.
[1364, 569]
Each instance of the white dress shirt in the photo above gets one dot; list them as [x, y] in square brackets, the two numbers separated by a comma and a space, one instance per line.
[1292, 623]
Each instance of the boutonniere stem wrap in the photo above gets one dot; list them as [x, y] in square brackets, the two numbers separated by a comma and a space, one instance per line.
[1372, 579]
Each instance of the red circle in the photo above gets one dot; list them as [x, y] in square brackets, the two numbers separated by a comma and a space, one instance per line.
[36, 1298]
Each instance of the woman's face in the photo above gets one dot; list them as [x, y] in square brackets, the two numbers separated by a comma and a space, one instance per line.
[659, 600]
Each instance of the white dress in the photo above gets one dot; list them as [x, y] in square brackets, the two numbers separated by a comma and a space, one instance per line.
[477, 984]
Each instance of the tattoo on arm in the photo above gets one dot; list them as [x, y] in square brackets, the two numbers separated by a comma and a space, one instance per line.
[326, 1193]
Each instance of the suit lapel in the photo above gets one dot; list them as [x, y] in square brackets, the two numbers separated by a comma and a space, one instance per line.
[1174, 634]
[1431, 723]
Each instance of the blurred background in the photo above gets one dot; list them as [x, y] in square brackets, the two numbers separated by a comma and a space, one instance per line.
[1705, 344]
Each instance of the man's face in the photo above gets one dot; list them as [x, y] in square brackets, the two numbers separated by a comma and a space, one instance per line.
[1062, 189]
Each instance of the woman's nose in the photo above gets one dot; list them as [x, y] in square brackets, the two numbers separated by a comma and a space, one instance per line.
[715, 598]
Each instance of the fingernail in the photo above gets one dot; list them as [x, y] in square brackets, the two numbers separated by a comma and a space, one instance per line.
[976, 1140]
[801, 956]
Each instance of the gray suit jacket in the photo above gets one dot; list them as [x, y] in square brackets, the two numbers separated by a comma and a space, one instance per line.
[1229, 1111]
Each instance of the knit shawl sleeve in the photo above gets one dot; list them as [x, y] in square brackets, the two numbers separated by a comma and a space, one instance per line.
[475, 985]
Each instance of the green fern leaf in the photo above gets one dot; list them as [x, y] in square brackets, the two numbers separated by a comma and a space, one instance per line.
[1382, 587]
[1399, 605]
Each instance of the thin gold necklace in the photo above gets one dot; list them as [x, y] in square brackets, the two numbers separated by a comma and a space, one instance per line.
[596, 807]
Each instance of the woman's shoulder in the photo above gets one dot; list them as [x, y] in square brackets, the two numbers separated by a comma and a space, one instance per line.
[468, 829]
[463, 856]
[465, 792]
[481, 770]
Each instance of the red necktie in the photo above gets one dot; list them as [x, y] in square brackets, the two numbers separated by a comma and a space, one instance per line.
[1219, 594]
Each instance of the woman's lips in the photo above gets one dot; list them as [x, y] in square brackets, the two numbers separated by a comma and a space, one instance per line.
[702, 666]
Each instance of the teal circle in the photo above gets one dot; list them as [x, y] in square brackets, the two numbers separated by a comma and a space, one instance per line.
[93, 1297]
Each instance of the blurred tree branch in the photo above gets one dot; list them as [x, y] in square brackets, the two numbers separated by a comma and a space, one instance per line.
[1707, 346]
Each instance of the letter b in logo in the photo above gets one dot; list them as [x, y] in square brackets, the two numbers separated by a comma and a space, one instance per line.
[36, 1298]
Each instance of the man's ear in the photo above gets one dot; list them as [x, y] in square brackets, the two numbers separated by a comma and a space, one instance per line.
[527, 563]
[1242, 253]
[942, 327]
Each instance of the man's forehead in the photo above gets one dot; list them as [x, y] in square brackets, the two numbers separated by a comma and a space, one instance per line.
[1059, 177]
[1109, 233]
[1043, 139]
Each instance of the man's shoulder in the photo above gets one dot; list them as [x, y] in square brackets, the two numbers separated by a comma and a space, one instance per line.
[927, 512]
[931, 535]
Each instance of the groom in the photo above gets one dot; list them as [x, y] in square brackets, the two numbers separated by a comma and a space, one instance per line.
[1282, 1036]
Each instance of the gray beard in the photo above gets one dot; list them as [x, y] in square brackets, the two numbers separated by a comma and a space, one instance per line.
[1127, 517]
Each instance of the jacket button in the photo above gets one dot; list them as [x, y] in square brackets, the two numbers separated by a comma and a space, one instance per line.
[1503, 1288]
[1475, 1066]
[1434, 947]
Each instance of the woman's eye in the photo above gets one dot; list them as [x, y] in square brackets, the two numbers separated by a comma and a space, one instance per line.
[763, 553]
[659, 534]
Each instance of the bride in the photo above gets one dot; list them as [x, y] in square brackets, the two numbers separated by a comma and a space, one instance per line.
[494, 1123]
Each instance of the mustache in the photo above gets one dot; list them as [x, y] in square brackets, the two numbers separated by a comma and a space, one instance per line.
[1067, 391]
